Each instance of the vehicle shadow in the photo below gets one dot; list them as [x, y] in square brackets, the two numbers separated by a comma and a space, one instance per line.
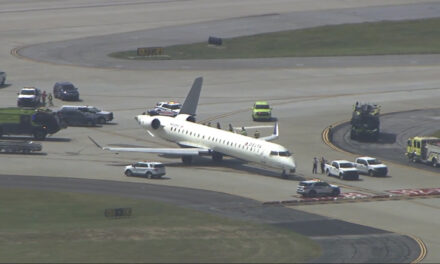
[6, 85]
[49, 139]
[27, 154]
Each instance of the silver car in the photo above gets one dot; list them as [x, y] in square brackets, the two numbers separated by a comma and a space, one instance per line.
[315, 188]
[146, 169]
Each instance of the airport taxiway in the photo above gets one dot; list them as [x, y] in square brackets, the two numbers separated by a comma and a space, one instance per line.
[305, 100]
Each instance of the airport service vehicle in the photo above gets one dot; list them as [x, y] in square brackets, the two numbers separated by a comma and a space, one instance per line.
[147, 169]
[315, 188]
[102, 116]
[21, 121]
[424, 150]
[2, 78]
[29, 96]
[200, 140]
[166, 108]
[65, 91]
[261, 111]
[365, 123]
[76, 117]
[19, 146]
[343, 169]
[370, 166]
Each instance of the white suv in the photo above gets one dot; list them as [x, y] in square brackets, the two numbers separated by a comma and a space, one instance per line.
[146, 169]
[29, 96]
[2, 78]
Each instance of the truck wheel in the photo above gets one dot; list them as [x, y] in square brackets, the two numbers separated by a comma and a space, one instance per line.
[327, 172]
[434, 162]
[186, 160]
[128, 173]
[101, 120]
[40, 134]
[370, 173]
[341, 176]
[335, 192]
[149, 175]
[312, 193]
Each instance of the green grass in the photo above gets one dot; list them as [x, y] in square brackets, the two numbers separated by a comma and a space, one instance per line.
[44, 227]
[378, 38]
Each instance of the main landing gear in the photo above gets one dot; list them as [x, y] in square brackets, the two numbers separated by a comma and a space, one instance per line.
[187, 160]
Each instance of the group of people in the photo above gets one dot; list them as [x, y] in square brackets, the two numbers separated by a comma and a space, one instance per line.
[49, 98]
[321, 162]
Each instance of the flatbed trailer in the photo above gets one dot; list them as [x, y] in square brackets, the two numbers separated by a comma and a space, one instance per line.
[19, 146]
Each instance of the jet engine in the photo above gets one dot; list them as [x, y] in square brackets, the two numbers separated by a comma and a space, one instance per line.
[155, 123]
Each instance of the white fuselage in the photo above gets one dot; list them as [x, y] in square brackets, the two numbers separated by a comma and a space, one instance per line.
[190, 134]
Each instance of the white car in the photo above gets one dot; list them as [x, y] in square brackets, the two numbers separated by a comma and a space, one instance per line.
[147, 169]
[314, 188]
[165, 109]
[173, 106]
[371, 166]
[2, 78]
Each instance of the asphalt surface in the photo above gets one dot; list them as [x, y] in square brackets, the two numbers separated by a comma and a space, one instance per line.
[307, 95]
[396, 128]
[340, 241]
[93, 51]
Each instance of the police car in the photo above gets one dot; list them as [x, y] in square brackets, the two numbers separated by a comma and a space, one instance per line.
[166, 108]
[313, 188]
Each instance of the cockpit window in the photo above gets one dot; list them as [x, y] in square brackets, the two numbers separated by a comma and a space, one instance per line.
[285, 154]
[281, 153]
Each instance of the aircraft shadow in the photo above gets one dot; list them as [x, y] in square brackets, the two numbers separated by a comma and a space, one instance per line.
[236, 165]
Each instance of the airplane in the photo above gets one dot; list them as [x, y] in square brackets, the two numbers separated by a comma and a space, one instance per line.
[201, 140]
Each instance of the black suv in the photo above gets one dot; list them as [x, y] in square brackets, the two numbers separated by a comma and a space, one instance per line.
[65, 91]
[76, 117]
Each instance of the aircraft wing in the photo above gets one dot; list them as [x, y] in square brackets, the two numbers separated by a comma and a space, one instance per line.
[274, 135]
[163, 151]
[160, 151]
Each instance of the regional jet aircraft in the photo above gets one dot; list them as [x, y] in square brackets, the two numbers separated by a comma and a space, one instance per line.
[200, 140]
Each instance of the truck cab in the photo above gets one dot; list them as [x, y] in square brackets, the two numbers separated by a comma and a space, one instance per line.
[370, 166]
[29, 96]
[343, 169]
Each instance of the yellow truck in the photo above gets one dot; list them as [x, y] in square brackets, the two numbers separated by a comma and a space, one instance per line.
[424, 150]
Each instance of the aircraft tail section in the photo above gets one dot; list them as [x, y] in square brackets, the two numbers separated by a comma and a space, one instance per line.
[189, 107]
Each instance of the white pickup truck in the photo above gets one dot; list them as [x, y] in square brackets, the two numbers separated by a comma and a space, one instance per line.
[371, 166]
[343, 169]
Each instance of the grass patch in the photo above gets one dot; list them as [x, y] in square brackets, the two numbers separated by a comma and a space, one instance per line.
[44, 226]
[377, 38]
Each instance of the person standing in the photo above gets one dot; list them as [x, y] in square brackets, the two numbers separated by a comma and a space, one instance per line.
[50, 99]
[322, 163]
[243, 131]
[43, 96]
[315, 165]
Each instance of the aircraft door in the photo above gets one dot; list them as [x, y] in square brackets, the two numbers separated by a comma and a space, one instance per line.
[263, 158]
